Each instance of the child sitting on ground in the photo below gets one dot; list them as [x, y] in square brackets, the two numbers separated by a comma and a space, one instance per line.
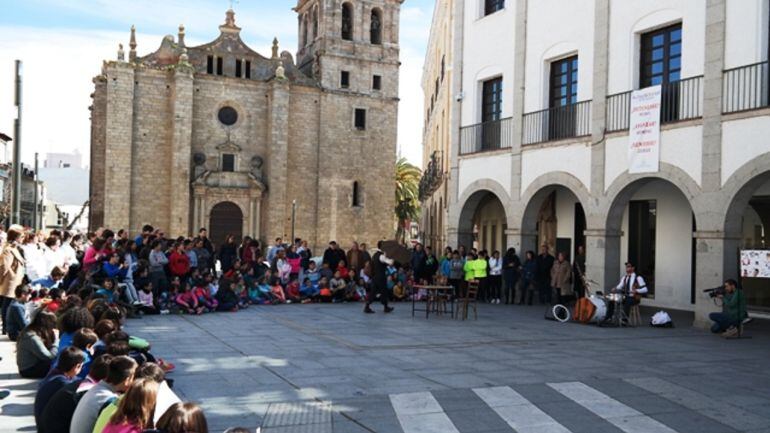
[279, 297]
[308, 291]
[228, 300]
[342, 269]
[324, 292]
[205, 299]
[399, 291]
[107, 290]
[188, 301]
[292, 290]
[312, 273]
[337, 286]
[326, 272]
[146, 298]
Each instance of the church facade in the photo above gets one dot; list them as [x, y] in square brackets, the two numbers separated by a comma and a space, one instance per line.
[222, 137]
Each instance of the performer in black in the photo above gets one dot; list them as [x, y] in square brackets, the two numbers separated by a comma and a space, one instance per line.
[380, 263]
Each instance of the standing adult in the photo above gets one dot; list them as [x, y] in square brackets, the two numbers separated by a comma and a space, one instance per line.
[228, 252]
[11, 269]
[528, 278]
[430, 266]
[561, 280]
[355, 258]
[579, 272]
[333, 255]
[158, 262]
[511, 267]
[417, 261]
[380, 262]
[271, 252]
[543, 275]
[203, 236]
[365, 252]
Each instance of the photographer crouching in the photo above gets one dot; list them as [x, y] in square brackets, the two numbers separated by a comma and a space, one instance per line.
[733, 309]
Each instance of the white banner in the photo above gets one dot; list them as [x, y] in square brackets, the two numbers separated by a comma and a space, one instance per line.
[644, 131]
[755, 263]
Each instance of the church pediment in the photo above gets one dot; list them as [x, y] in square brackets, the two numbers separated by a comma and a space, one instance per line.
[228, 180]
[228, 147]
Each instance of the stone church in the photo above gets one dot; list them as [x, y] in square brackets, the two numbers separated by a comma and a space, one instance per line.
[220, 136]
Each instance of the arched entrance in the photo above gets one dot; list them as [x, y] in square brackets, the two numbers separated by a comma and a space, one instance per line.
[226, 219]
[654, 223]
[554, 216]
[483, 222]
[748, 221]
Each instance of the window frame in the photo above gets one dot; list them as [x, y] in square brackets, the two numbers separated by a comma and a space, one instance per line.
[222, 158]
[344, 79]
[647, 47]
[347, 8]
[496, 112]
[356, 113]
[572, 63]
[489, 7]
[377, 82]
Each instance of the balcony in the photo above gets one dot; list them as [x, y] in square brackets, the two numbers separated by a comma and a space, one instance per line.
[745, 88]
[557, 123]
[680, 100]
[486, 136]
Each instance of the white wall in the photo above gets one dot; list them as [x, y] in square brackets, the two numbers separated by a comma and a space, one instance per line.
[742, 141]
[746, 33]
[488, 46]
[673, 245]
[557, 29]
[574, 159]
[681, 147]
[628, 19]
[495, 167]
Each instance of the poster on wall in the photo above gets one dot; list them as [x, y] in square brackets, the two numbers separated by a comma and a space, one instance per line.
[755, 263]
[644, 130]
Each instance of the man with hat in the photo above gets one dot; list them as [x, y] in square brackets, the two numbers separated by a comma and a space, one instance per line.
[632, 286]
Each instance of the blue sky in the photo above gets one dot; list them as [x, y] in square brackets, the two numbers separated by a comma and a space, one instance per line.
[63, 43]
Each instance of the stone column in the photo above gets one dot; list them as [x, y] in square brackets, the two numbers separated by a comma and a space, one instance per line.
[602, 257]
[181, 145]
[455, 122]
[599, 97]
[521, 240]
[517, 114]
[712, 96]
[277, 156]
[118, 144]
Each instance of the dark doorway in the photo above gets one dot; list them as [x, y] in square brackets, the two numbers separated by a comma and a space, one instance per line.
[226, 219]
[580, 228]
[641, 240]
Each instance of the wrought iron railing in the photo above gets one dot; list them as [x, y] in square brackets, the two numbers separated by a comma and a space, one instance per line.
[745, 88]
[486, 136]
[557, 123]
[680, 100]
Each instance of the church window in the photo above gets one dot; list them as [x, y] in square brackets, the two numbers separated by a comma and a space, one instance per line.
[345, 79]
[227, 116]
[375, 27]
[347, 21]
[219, 66]
[238, 68]
[356, 202]
[228, 162]
[305, 39]
[360, 119]
[248, 69]
[315, 22]
[210, 64]
[377, 82]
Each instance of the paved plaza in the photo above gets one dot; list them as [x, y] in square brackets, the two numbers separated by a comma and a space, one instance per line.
[330, 368]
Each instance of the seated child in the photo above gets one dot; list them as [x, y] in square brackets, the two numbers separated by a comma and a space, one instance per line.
[254, 293]
[279, 297]
[361, 289]
[107, 290]
[265, 294]
[399, 291]
[205, 299]
[242, 292]
[309, 291]
[187, 300]
[312, 273]
[342, 269]
[292, 290]
[337, 286]
[212, 284]
[146, 298]
[56, 297]
[228, 300]
[324, 292]
[326, 272]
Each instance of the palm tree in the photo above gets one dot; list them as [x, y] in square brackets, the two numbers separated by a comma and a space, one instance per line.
[407, 195]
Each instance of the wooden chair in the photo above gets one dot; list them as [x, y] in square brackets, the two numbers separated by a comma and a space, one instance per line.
[468, 301]
[634, 316]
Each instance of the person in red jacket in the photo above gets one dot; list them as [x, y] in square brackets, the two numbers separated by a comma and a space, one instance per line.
[178, 262]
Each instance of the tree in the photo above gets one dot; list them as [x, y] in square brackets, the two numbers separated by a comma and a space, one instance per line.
[407, 195]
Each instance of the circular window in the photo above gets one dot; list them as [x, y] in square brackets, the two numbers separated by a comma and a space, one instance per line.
[228, 116]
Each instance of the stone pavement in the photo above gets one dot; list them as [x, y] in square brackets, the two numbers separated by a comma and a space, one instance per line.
[330, 368]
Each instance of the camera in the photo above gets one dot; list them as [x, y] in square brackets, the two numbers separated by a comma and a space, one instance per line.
[716, 291]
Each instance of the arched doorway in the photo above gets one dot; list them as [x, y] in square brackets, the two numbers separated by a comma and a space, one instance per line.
[655, 223]
[483, 223]
[748, 221]
[556, 218]
[226, 219]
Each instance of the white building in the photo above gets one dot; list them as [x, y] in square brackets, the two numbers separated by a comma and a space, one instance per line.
[63, 160]
[539, 143]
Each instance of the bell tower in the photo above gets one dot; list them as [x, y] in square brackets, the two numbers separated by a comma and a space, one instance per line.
[350, 45]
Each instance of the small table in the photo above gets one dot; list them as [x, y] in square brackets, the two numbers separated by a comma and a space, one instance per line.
[433, 294]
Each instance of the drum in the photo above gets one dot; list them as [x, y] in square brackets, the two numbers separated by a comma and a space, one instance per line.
[601, 309]
[615, 297]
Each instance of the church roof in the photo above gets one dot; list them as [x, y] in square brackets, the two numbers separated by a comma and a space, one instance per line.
[227, 45]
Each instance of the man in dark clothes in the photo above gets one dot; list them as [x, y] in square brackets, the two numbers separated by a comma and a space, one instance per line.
[543, 276]
[70, 361]
[579, 270]
[333, 256]
[380, 263]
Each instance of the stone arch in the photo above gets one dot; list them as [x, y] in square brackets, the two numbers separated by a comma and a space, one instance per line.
[472, 197]
[738, 190]
[624, 186]
[535, 196]
[225, 218]
[375, 26]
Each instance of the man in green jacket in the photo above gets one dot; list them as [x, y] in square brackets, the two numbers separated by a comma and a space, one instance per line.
[733, 311]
